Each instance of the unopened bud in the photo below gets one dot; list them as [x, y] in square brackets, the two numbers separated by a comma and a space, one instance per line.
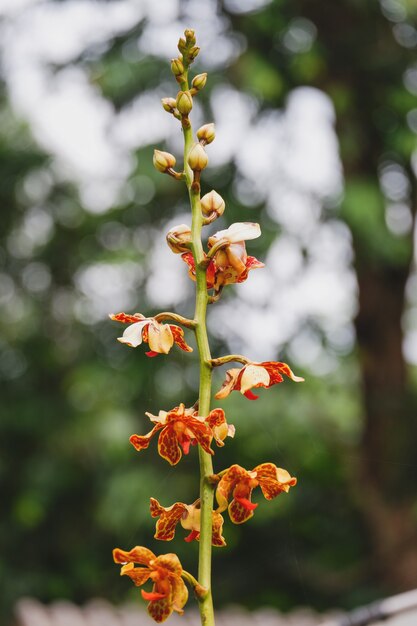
[163, 161]
[177, 66]
[197, 158]
[178, 238]
[199, 81]
[206, 133]
[169, 104]
[190, 36]
[184, 102]
[212, 202]
[182, 45]
[192, 53]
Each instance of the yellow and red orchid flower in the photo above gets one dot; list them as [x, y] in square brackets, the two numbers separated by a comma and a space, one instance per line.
[188, 515]
[252, 375]
[232, 253]
[230, 263]
[169, 592]
[217, 278]
[181, 428]
[239, 483]
[160, 337]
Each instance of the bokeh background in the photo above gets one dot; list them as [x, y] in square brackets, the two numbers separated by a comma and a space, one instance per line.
[316, 114]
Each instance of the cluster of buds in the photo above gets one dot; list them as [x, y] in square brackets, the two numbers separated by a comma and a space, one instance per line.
[177, 431]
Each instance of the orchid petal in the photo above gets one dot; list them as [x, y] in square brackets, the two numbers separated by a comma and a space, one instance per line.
[277, 367]
[273, 480]
[253, 376]
[169, 518]
[217, 529]
[179, 595]
[239, 231]
[227, 483]
[139, 575]
[169, 562]
[160, 609]
[160, 337]
[178, 335]
[124, 318]
[239, 513]
[132, 336]
[140, 555]
[141, 442]
[168, 447]
[229, 383]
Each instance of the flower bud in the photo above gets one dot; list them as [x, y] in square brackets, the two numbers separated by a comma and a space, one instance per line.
[182, 45]
[197, 158]
[178, 237]
[190, 36]
[212, 202]
[163, 161]
[206, 133]
[199, 81]
[169, 104]
[184, 102]
[192, 53]
[177, 67]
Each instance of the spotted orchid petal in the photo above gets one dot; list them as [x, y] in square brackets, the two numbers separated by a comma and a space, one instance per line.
[217, 529]
[276, 368]
[168, 447]
[141, 442]
[273, 480]
[139, 555]
[168, 518]
[169, 562]
[178, 335]
[139, 575]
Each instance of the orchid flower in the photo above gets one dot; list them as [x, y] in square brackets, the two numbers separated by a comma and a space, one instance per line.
[217, 278]
[189, 517]
[239, 483]
[181, 428]
[169, 592]
[252, 375]
[160, 337]
[232, 253]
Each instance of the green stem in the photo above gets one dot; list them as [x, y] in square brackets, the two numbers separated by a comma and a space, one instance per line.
[206, 466]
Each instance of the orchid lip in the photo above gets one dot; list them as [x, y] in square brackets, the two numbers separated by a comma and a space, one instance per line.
[193, 535]
[247, 504]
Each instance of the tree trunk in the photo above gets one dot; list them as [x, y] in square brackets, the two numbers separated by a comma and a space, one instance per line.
[385, 463]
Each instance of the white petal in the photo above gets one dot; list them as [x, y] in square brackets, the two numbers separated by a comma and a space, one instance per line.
[132, 336]
[240, 231]
[158, 419]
